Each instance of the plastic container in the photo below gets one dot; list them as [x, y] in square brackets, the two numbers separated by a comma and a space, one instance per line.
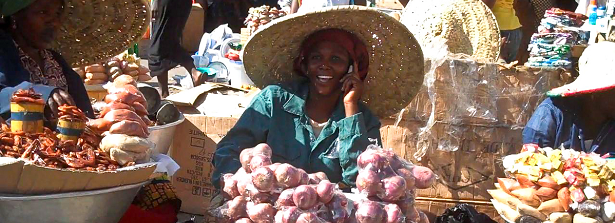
[27, 117]
[593, 17]
[70, 130]
[200, 61]
[601, 12]
[237, 73]
[225, 48]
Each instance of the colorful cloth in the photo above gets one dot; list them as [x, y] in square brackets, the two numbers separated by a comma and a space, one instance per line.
[159, 192]
[52, 74]
[549, 50]
[553, 38]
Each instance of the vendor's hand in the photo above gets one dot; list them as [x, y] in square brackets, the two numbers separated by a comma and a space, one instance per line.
[352, 86]
[57, 99]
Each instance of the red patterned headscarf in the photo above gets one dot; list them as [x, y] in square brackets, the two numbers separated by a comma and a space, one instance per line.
[355, 47]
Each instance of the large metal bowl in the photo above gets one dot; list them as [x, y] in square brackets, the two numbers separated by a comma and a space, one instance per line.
[162, 135]
[97, 206]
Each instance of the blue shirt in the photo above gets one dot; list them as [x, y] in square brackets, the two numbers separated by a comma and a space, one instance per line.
[553, 125]
[277, 117]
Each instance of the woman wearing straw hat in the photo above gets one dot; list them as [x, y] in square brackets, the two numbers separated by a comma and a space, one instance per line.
[341, 68]
[580, 115]
[26, 61]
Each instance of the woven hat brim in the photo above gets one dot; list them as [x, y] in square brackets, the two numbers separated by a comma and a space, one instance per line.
[468, 26]
[96, 30]
[395, 72]
[572, 89]
[595, 72]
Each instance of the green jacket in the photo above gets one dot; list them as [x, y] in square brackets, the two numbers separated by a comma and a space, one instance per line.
[277, 117]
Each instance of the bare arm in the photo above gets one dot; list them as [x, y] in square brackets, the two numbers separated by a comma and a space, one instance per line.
[294, 7]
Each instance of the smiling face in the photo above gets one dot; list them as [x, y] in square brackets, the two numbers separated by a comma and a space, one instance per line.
[39, 23]
[325, 66]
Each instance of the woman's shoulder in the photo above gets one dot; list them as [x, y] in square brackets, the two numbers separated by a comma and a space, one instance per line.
[283, 89]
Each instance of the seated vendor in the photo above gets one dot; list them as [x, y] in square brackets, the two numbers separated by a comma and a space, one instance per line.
[27, 33]
[580, 115]
[318, 121]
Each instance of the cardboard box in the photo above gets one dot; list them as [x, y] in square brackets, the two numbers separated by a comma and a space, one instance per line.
[466, 158]
[19, 177]
[96, 91]
[213, 100]
[436, 207]
[193, 149]
[469, 92]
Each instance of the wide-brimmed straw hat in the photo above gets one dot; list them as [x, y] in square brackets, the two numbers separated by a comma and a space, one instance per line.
[395, 71]
[596, 72]
[468, 26]
[96, 30]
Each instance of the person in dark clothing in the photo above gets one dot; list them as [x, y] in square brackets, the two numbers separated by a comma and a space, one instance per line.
[26, 61]
[580, 115]
[166, 52]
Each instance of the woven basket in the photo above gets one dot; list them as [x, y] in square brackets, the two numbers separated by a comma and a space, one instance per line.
[96, 30]
[468, 26]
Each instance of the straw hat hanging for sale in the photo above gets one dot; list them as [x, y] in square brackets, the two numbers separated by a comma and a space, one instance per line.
[395, 71]
[468, 26]
[94, 30]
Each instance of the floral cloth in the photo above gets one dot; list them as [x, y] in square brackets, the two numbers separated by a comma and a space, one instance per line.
[50, 75]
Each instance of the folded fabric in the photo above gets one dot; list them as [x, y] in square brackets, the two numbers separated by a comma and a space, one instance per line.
[553, 38]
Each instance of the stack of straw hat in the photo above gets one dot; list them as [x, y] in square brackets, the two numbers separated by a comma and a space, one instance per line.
[467, 26]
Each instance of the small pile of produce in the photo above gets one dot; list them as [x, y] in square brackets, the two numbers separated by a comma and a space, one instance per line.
[262, 191]
[556, 185]
[71, 113]
[260, 16]
[388, 184]
[27, 96]
[124, 123]
[123, 64]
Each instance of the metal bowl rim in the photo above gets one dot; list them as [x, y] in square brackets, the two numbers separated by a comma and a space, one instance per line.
[159, 127]
[10, 197]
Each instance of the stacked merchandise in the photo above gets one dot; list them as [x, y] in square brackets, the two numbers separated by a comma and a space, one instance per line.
[123, 64]
[388, 185]
[262, 191]
[124, 124]
[558, 32]
[558, 185]
[260, 16]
